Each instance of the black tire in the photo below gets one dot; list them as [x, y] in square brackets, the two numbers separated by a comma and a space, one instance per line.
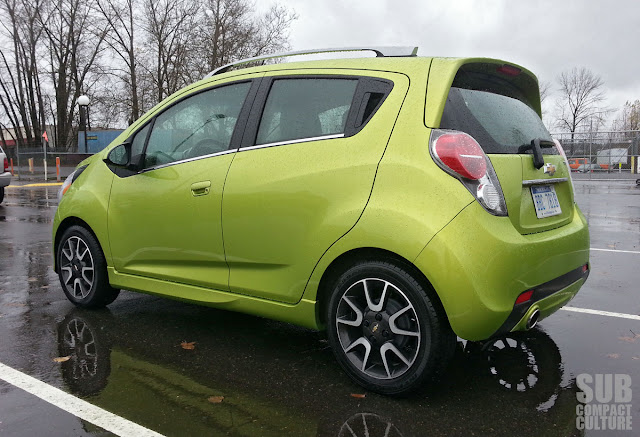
[82, 269]
[1, 194]
[409, 338]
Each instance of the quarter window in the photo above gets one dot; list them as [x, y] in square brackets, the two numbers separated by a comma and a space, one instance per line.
[305, 108]
[137, 145]
[197, 126]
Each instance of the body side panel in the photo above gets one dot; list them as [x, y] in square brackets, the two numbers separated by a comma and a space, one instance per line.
[480, 263]
[301, 313]
[285, 205]
[404, 211]
[88, 200]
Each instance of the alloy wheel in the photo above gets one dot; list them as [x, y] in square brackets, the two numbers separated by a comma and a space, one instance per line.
[378, 328]
[77, 267]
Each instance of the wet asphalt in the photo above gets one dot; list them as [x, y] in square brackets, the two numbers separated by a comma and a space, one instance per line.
[248, 376]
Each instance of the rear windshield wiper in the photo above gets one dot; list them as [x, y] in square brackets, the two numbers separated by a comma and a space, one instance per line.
[536, 146]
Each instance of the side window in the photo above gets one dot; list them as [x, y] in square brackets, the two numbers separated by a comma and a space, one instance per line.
[305, 108]
[137, 145]
[199, 125]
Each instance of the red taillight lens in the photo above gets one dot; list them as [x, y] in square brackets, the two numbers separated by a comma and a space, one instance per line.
[585, 268]
[524, 297]
[462, 154]
[6, 164]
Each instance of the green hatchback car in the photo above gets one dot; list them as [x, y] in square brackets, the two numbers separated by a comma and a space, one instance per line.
[395, 201]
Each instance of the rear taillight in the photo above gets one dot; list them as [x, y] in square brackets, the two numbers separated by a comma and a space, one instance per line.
[566, 162]
[6, 164]
[460, 155]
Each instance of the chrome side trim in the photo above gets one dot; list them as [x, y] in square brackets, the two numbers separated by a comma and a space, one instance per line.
[197, 158]
[379, 51]
[544, 181]
[301, 140]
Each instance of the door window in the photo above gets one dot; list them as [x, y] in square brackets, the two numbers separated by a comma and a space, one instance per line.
[305, 108]
[197, 126]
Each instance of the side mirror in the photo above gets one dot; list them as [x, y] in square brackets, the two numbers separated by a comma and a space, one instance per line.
[120, 156]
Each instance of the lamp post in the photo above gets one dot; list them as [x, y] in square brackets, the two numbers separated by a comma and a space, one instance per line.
[83, 103]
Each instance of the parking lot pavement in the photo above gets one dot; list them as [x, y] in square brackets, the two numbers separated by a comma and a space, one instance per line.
[23, 414]
[250, 376]
[23, 176]
[605, 176]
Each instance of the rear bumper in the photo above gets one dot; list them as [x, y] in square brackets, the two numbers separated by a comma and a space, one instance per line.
[546, 299]
[5, 179]
[479, 264]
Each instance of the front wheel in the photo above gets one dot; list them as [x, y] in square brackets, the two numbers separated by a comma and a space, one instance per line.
[385, 330]
[82, 269]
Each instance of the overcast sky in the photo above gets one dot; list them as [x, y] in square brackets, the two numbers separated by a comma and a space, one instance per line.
[544, 36]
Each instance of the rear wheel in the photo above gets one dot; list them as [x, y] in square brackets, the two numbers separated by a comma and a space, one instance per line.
[1, 194]
[82, 269]
[385, 330]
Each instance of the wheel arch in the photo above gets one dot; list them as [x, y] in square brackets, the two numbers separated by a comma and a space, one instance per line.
[349, 258]
[62, 227]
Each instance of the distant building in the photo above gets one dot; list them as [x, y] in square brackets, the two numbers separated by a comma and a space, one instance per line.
[97, 139]
[10, 137]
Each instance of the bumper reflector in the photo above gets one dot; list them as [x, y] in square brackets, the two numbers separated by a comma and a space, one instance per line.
[524, 297]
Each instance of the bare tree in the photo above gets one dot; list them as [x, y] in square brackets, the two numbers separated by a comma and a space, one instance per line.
[74, 43]
[629, 118]
[581, 100]
[230, 30]
[169, 27]
[122, 24]
[545, 91]
[627, 121]
[272, 30]
[58, 51]
[20, 89]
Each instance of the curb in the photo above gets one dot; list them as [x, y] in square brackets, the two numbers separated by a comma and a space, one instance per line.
[30, 184]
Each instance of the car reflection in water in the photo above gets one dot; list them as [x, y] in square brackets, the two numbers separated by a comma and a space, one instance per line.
[281, 380]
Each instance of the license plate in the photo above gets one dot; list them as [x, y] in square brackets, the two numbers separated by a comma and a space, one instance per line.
[545, 200]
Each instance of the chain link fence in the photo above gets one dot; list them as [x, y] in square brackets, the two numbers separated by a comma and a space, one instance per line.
[28, 161]
[603, 155]
[592, 155]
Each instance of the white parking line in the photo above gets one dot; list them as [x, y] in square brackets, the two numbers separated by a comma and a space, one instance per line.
[601, 313]
[614, 250]
[71, 404]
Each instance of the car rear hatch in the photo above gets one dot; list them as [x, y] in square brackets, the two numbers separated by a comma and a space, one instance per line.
[498, 105]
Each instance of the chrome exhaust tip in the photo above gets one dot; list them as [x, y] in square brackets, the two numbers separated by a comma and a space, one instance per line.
[533, 319]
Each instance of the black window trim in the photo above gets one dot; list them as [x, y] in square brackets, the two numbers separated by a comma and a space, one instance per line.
[236, 136]
[366, 84]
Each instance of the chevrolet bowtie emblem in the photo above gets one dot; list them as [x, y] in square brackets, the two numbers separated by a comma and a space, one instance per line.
[550, 169]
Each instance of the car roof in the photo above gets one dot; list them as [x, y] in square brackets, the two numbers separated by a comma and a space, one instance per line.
[394, 64]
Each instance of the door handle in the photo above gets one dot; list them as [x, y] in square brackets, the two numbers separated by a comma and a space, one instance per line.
[200, 188]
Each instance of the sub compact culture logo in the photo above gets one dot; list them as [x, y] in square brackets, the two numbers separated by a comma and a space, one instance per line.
[604, 402]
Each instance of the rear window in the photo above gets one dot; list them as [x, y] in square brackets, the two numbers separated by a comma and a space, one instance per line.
[499, 123]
